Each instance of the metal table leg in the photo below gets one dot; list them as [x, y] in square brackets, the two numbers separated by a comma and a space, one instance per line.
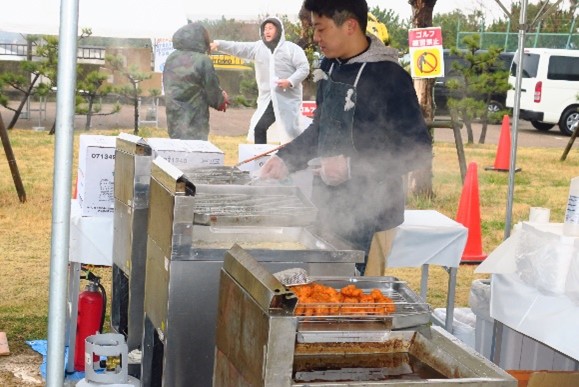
[73, 290]
[451, 292]
[424, 282]
[452, 271]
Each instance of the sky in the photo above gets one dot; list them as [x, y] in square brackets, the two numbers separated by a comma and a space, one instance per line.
[42, 17]
[251, 9]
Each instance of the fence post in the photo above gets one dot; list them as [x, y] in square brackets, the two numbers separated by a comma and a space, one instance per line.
[482, 33]
[570, 33]
[507, 34]
[458, 34]
[537, 34]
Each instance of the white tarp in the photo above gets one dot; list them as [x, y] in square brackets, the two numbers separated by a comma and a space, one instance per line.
[106, 18]
[528, 287]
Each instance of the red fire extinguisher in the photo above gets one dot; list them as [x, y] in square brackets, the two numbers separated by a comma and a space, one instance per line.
[91, 313]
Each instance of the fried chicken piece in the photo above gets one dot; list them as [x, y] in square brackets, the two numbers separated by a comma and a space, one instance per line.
[347, 306]
[351, 291]
[386, 304]
[377, 295]
[367, 299]
[319, 300]
[302, 290]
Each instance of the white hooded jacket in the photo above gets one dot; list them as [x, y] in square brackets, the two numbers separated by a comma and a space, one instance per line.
[288, 61]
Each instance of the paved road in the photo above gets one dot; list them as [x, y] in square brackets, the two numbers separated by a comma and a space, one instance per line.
[527, 136]
[235, 122]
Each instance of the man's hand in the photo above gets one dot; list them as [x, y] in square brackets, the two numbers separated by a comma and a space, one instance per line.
[335, 170]
[213, 46]
[283, 84]
[274, 168]
[225, 103]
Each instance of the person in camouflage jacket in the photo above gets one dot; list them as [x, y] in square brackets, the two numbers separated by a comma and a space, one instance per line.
[191, 85]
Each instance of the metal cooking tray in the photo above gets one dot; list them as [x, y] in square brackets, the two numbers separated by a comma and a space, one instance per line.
[244, 205]
[217, 174]
[411, 310]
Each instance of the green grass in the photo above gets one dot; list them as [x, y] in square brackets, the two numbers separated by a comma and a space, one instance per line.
[25, 228]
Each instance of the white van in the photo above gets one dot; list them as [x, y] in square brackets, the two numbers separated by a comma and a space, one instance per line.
[549, 88]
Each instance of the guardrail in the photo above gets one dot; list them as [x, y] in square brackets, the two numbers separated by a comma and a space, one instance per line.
[21, 50]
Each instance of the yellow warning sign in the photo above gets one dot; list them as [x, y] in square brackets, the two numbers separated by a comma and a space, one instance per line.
[229, 62]
[427, 62]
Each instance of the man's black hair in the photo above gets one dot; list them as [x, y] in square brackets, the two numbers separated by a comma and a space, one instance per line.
[340, 10]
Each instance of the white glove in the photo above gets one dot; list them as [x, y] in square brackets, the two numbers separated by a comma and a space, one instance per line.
[274, 168]
[335, 170]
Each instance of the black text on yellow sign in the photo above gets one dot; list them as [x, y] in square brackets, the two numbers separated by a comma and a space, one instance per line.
[228, 61]
[427, 63]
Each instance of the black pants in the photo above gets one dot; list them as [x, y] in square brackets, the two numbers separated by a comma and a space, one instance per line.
[268, 118]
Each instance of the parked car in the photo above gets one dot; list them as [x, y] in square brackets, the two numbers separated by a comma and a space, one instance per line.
[442, 93]
[549, 88]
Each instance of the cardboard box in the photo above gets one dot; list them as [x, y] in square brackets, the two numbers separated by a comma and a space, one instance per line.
[91, 237]
[186, 153]
[96, 170]
[247, 151]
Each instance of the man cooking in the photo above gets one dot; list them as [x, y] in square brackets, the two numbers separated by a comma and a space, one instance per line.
[367, 133]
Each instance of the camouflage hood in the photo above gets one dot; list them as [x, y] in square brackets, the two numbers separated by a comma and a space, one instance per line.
[191, 37]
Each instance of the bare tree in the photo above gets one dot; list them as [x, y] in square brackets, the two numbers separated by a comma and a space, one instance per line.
[420, 181]
[135, 77]
[26, 81]
[90, 91]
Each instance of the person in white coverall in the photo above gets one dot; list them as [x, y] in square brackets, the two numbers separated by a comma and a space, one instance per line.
[280, 68]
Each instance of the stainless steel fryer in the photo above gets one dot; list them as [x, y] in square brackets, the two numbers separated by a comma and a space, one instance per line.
[133, 163]
[133, 158]
[188, 235]
[260, 340]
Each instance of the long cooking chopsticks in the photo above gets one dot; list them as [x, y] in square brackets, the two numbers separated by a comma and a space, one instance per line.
[259, 155]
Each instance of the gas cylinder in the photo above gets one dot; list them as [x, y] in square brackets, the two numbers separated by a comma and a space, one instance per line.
[90, 308]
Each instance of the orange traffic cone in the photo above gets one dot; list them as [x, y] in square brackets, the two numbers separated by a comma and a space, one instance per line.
[503, 156]
[469, 216]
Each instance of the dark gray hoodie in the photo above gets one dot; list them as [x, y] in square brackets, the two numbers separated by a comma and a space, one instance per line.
[389, 138]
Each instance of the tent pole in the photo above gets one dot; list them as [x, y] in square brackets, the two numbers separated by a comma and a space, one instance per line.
[498, 326]
[519, 57]
[67, 58]
[523, 27]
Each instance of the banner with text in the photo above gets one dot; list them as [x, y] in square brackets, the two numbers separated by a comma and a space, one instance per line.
[426, 52]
